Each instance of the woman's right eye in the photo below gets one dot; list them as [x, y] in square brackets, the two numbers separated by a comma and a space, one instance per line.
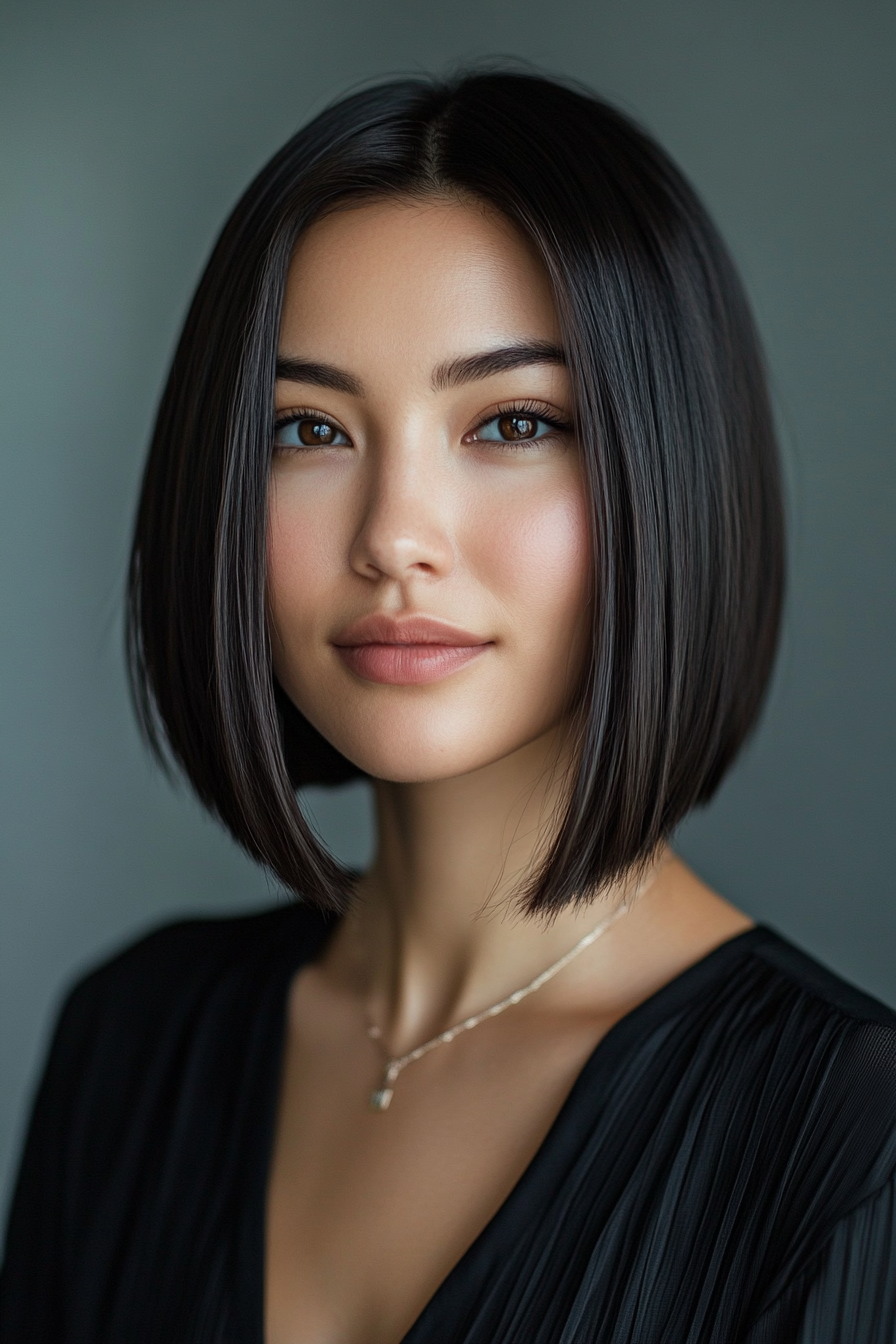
[308, 431]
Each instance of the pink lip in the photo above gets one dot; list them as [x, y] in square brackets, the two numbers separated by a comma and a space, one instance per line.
[406, 650]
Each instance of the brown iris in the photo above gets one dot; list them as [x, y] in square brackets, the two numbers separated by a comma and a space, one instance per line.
[312, 433]
[517, 426]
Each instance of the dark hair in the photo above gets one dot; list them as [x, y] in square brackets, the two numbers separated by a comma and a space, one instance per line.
[675, 430]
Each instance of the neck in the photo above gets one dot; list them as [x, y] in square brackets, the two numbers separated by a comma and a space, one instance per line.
[439, 932]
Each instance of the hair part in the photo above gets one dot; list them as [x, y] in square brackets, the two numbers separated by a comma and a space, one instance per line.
[673, 423]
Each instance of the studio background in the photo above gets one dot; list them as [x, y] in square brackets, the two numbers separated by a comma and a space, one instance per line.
[127, 133]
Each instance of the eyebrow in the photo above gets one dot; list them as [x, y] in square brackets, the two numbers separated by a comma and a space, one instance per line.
[453, 373]
[469, 368]
[319, 375]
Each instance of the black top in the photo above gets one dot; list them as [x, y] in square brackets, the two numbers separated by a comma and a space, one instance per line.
[722, 1171]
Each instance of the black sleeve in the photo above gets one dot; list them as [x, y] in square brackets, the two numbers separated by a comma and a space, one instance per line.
[853, 1299]
[32, 1278]
[849, 1295]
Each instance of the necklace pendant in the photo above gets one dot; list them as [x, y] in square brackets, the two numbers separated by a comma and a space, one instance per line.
[380, 1098]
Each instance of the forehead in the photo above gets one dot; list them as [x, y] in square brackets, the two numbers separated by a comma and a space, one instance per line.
[415, 280]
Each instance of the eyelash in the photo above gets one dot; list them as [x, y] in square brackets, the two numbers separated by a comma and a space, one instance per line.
[304, 413]
[537, 410]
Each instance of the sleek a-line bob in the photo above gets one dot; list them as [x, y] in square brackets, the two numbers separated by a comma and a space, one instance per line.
[673, 424]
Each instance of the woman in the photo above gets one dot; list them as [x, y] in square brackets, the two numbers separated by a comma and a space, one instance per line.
[464, 480]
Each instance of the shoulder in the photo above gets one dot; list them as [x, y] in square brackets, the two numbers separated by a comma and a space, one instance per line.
[159, 1056]
[846, 1036]
[827, 1066]
[172, 976]
[176, 1016]
[826, 1080]
[819, 1024]
[817, 983]
[773, 1084]
[790, 1066]
[191, 950]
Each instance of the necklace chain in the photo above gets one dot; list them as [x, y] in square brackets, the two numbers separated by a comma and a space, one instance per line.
[382, 1095]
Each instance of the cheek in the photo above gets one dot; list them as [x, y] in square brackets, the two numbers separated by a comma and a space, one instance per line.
[534, 553]
[303, 555]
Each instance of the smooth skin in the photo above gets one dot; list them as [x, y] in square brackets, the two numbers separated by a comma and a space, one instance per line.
[412, 478]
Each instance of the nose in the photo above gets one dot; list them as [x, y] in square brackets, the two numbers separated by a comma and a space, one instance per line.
[405, 531]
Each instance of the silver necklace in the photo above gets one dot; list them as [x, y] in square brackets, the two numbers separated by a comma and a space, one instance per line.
[382, 1095]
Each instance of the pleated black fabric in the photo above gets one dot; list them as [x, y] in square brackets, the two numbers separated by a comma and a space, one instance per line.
[724, 1169]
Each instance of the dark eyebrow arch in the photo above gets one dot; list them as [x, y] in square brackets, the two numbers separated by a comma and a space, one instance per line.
[465, 369]
[319, 375]
[469, 368]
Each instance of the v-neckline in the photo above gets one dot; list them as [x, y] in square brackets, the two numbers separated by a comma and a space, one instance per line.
[543, 1172]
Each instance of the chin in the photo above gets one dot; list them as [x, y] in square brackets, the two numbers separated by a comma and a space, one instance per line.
[411, 762]
[406, 750]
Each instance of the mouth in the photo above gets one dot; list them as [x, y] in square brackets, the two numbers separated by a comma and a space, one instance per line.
[408, 650]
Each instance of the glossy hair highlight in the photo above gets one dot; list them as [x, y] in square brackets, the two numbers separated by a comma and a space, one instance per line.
[673, 423]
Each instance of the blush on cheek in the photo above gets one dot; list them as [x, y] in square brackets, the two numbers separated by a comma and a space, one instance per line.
[300, 568]
[302, 551]
[538, 557]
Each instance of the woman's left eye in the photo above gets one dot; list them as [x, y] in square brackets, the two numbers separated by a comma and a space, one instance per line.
[308, 431]
[515, 427]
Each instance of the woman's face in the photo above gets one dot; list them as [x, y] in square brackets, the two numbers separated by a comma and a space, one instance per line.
[428, 555]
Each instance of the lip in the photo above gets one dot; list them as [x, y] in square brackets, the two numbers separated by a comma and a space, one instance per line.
[411, 650]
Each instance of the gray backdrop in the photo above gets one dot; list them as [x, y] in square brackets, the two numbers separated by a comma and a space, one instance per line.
[127, 132]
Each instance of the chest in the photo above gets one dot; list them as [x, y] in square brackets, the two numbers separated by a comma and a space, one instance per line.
[368, 1212]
